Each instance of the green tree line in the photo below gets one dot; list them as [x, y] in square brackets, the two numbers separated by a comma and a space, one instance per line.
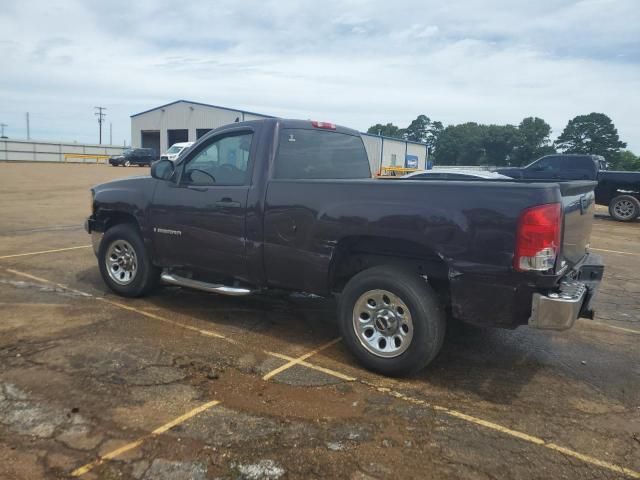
[499, 145]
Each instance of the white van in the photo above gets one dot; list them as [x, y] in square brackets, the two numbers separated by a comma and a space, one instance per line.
[174, 151]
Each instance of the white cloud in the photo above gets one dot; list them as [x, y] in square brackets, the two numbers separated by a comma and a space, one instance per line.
[355, 62]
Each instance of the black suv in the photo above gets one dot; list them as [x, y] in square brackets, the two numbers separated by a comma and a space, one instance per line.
[134, 156]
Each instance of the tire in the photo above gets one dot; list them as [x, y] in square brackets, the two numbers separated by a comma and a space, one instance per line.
[142, 277]
[127, 163]
[624, 208]
[411, 300]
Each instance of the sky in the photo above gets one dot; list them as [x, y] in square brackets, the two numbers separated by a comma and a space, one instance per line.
[356, 63]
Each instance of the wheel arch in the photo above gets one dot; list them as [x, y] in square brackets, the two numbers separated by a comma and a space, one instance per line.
[357, 253]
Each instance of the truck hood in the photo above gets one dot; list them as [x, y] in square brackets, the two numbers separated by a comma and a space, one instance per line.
[131, 194]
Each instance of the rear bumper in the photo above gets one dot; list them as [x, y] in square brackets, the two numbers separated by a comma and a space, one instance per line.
[559, 309]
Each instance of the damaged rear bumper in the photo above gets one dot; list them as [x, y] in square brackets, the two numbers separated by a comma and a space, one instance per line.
[559, 309]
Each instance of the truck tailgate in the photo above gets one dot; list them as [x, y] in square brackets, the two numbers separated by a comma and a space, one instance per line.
[578, 201]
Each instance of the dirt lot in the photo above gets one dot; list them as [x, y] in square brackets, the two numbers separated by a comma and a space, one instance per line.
[184, 384]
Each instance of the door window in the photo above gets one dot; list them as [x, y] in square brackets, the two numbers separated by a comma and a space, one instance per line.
[224, 161]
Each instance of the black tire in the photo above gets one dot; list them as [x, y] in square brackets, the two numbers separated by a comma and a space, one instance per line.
[147, 275]
[427, 315]
[624, 208]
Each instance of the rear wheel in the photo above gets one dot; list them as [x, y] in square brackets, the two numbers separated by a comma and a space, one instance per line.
[624, 208]
[391, 320]
[125, 264]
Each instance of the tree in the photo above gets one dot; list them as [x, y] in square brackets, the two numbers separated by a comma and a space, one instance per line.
[424, 130]
[499, 142]
[594, 134]
[461, 144]
[534, 141]
[625, 160]
[388, 130]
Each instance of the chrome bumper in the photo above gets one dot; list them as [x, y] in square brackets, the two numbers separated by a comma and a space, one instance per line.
[558, 310]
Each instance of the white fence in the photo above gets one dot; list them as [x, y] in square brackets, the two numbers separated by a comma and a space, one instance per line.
[41, 151]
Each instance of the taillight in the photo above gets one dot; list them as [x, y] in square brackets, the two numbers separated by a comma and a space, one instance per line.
[328, 126]
[538, 238]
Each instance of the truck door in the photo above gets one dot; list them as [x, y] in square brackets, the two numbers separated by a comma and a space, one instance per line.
[198, 220]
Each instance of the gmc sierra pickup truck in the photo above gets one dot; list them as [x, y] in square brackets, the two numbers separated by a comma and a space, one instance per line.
[291, 205]
[620, 191]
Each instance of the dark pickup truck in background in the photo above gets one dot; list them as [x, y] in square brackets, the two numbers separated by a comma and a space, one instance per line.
[620, 191]
[143, 157]
[290, 204]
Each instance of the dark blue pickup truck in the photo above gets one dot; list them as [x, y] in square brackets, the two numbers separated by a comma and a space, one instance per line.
[290, 204]
[620, 191]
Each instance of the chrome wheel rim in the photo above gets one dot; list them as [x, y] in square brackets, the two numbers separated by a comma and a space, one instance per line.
[127, 163]
[624, 208]
[121, 262]
[382, 323]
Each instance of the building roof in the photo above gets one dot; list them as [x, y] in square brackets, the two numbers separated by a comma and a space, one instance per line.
[261, 115]
[202, 105]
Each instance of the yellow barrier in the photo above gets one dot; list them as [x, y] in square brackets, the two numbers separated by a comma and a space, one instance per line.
[396, 171]
[85, 156]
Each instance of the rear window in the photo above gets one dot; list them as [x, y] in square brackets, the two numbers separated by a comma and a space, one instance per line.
[314, 154]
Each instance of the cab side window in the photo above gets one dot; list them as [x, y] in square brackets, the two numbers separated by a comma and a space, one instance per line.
[223, 161]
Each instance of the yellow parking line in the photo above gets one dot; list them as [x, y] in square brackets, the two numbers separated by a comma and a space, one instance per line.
[135, 444]
[508, 431]
[614, 327]
[615, 251]
[300, 359]
[312, 366]
[43, 251]
[44, 280]
[207, 333]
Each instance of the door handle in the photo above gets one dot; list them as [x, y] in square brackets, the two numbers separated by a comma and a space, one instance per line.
[226, 203]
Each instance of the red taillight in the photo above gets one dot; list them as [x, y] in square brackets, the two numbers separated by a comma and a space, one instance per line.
[328, 126]
[538, 238]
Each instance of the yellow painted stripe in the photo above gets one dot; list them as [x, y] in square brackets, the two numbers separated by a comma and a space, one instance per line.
[207, 333]
[328, 371]
[508, 431]
[44, 280]
[300, 359]
[135, 444]
[614, 327]
[43, 251]
[615, 251]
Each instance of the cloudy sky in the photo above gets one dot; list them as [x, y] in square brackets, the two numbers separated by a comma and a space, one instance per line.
[352, 62]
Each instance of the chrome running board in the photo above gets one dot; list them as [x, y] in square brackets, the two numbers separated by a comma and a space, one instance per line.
[173, 279]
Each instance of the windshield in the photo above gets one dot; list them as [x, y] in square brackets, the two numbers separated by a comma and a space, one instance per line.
[175, 149]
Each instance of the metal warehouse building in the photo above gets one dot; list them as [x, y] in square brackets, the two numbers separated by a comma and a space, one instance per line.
[185, 121]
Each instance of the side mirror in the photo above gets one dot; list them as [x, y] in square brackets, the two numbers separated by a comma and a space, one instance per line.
[163, 170]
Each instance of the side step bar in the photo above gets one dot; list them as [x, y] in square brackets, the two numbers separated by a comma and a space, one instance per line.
[173, 279]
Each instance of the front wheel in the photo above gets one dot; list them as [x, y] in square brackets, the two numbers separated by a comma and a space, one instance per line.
[127, 163]
[125, 264]
[391, 320]
[624, 208]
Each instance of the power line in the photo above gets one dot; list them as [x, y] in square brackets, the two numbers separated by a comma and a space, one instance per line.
[100, 114]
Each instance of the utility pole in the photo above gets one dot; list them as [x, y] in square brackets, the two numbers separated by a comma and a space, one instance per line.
[110, 133]
[100, 114]
[2, 125]
[28, 131]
